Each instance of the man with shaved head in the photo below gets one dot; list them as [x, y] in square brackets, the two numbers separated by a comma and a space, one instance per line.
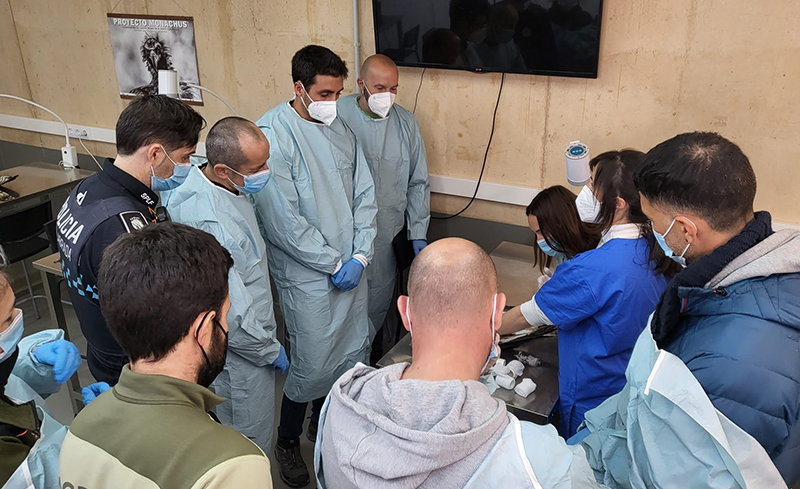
[214, 198]
[430, 423]
[392, 143]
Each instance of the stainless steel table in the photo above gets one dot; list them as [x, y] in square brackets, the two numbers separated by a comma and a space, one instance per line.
[517, 278]
[50, 267]
[38, 183]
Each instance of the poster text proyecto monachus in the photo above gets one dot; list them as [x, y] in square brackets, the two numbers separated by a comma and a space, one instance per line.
[151, 23]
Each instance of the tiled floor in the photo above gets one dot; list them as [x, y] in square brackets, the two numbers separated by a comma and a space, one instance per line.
[59, 404]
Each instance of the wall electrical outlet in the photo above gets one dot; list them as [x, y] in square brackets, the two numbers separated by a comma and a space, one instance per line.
[82, 132]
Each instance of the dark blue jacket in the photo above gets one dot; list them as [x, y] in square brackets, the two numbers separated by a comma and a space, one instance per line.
[742, 343]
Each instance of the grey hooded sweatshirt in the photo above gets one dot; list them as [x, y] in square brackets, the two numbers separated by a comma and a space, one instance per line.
[393, 433]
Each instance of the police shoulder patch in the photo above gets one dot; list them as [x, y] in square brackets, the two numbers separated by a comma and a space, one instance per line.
[133, 220]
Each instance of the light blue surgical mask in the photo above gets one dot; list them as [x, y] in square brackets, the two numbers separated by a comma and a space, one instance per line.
[546, 248]
[178, 175]
[9, 339]
[660, 239]
[252, 183]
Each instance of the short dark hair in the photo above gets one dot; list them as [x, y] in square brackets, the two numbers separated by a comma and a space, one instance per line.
[157, 119]
[223, 141]
[702, 173]
[315, 60]
[154, 282]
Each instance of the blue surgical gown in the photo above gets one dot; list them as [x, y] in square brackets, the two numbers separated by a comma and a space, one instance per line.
[600, 301]
[248, 380]
[396, 157]
[317, 211]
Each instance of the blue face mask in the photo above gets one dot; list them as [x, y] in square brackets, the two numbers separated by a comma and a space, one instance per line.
[547, 249]
[252, 183]
[178, 176]
[680, 260]
[9, 339]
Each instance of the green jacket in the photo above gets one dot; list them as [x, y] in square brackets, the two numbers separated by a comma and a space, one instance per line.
[19, 428]
[153, 431]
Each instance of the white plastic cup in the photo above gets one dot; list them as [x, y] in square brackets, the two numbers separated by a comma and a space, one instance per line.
[502, 370]
[525, 388]
[516, 367]
[505, 381]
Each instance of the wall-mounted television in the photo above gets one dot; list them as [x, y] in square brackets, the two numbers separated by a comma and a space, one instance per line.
[540, 37]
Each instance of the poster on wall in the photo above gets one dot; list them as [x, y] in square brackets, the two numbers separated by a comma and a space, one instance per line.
[144, 44]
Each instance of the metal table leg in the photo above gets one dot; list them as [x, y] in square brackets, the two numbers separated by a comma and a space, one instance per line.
[53, 294]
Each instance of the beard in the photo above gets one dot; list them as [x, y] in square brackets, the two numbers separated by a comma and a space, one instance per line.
[209, 370]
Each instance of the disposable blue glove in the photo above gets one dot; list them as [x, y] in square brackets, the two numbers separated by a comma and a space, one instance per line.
[62, 355]
[90, 393]
[418, 244]
[348, 277]
[282, 362]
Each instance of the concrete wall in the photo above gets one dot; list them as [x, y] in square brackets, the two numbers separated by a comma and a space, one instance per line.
[665, 67]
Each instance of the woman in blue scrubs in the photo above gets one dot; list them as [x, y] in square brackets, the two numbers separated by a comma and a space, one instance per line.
[600, 299]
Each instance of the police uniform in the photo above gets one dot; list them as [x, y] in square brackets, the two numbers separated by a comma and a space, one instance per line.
[96, 212]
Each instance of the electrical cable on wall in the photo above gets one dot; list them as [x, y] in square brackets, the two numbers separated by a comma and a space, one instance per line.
[416, 97]
[90, 154]
[485, 155]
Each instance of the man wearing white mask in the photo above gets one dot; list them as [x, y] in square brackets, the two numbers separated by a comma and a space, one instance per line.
[317, 215]
[215, 199]
[392, 143]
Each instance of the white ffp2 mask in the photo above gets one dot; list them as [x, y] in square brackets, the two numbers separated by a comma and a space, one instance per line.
[324, 111]
[380, 103]
[588, 205]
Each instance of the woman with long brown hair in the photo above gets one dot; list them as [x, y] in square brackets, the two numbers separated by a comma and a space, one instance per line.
[560, 234]
[601, 297]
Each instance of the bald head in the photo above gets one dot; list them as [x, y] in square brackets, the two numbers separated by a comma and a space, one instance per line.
[378, 63]
[379, 74]
[450, 280]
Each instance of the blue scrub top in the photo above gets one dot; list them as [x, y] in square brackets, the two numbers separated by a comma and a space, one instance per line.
[600, 301]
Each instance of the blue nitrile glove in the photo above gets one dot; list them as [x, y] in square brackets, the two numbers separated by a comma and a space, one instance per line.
[348, 277]
[418, 244]
[282, 362]
[62, 355]
[90, 393]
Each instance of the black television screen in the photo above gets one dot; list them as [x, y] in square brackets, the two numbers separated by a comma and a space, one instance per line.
[542, 37]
